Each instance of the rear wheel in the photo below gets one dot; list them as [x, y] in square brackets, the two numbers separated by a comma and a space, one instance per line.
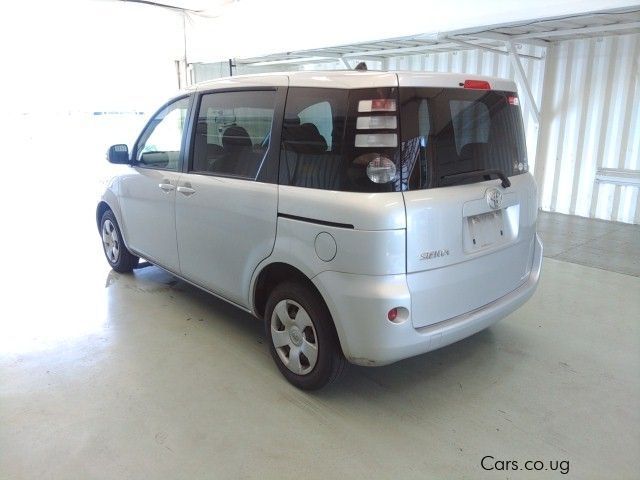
[118, 256]
[302, 338]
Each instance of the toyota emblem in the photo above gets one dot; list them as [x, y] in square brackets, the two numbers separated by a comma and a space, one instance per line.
[494, 198]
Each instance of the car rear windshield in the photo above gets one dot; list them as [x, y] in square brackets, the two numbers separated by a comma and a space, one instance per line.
[390, 139]
[454, 135]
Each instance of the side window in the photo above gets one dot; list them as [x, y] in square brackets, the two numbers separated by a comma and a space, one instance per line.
[319, 114]
[233, 132]
[159, 146]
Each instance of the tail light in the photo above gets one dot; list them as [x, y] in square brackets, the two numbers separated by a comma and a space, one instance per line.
[379, 122]
[376, 140]
[377, 130]
[377, 105]
[380, 169]
[398, 315]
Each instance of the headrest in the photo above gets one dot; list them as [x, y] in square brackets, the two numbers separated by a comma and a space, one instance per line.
[303, 138]
[201, 128]
[235, 137]
[213, 149]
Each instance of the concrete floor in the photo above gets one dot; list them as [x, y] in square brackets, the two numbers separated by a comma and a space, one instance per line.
[142, 376]
[594, 243]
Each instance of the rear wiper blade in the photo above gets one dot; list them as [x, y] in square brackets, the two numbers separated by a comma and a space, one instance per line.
[449, 179]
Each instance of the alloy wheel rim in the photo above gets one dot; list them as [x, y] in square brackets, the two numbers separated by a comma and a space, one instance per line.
[294, 337]
[110, 241]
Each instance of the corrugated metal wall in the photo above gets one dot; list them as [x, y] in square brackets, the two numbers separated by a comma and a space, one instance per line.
[591, 120]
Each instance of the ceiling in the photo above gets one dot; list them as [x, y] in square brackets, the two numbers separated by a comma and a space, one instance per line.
[609, 22]
[198, 7]
[495, 38]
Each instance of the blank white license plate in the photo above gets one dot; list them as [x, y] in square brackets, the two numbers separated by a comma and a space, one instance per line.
[486, 229]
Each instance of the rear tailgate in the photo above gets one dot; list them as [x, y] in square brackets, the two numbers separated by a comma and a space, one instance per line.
[470, 236]
[462, 253]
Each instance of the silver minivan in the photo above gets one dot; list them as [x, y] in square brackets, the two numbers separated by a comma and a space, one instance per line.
[365, 216]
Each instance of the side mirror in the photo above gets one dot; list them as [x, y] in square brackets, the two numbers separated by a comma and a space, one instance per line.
[118, 154]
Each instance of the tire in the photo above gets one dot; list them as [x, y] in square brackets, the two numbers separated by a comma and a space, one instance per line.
[116, 252]
[292, 336]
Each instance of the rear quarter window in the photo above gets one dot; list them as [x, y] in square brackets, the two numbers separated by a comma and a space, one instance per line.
[318, 147]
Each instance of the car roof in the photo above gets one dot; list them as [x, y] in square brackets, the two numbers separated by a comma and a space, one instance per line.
[353, 79]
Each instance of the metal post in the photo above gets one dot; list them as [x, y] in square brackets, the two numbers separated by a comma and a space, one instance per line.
[544, 127]
[522, 78]
[178, 74]
[184, 37]
[470, 45]
[345, 63]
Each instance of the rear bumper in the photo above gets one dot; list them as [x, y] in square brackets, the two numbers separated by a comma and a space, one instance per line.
[359, 306]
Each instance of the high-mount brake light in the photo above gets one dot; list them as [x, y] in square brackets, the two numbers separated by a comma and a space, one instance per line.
[477, 84]
[377, 105]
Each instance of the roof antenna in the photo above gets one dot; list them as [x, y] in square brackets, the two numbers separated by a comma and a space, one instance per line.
[361, 67]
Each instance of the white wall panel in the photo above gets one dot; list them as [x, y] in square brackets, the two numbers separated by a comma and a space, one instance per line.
[591, 120]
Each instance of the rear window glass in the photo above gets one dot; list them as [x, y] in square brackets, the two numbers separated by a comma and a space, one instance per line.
[389, 139]
[470, 122]
[448, 134]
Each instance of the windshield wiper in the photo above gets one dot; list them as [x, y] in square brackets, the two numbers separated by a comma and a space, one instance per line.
[449, 179]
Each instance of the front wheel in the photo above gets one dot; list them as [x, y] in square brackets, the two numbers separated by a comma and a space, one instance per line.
[118, 256]
[302, 338]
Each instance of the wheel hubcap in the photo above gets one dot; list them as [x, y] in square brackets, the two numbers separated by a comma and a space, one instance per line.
[110, 241]
[294, 337]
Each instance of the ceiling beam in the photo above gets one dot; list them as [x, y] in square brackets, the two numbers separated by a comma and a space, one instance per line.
[390, 51]
[298, 61]
[603, 29]
[445, 44]
[285, 61]
[489, 49]
[163, 5]
[503, 37]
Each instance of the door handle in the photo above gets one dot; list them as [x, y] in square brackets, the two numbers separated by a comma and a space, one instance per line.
[186, 191]
[166, 187]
